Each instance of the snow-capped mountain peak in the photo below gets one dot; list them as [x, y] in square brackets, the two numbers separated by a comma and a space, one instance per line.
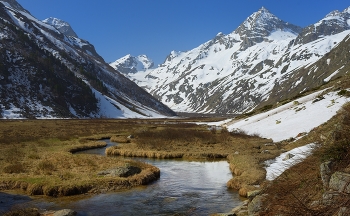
[220, 34]
[146, 62]
[347, 10]
[260, 25]
[333, 14]
[131, 64]
[261, 17]
[61, 26]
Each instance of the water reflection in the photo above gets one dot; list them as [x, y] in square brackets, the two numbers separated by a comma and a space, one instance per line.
[184, 188]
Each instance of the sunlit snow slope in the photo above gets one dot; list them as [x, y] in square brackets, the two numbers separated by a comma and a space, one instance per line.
[291, 119]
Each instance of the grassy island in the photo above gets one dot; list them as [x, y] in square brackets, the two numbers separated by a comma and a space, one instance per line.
[37, 157]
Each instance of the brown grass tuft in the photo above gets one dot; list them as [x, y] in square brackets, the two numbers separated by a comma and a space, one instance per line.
[22, 212]
[14, 168]
[46, 167]
[120, 139]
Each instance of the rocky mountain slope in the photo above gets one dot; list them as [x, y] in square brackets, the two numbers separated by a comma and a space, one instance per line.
[265, 60]
[45, 73]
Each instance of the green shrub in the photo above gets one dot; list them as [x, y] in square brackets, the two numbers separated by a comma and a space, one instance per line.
[344, 92]
[338, 151]
[34, 156]
[266, 107]
[46, 166]
[318, 98]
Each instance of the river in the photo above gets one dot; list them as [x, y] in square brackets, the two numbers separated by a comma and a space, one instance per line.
[184, 188]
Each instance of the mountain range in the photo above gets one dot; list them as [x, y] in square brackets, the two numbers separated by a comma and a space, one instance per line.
[47, 71]
[262, 62]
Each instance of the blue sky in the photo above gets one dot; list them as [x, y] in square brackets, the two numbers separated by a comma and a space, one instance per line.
[156, 27]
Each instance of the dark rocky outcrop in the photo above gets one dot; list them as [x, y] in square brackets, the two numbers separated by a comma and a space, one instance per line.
[121, 171]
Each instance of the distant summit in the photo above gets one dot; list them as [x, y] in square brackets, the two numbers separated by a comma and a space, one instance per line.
[61, 26]
[333, 23]
[131, 64]
[260, 25]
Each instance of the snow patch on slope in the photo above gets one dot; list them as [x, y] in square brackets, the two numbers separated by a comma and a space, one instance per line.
[277, 166]
[292, 118]
[333, 74]
[281, 35]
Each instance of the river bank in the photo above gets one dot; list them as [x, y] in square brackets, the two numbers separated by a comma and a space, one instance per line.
[37, 154]
[244, 153]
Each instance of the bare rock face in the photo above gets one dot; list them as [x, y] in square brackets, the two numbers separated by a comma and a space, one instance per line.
[335, 22]
[325, 170]
[255, 205]
[340, 182]
[260, 25]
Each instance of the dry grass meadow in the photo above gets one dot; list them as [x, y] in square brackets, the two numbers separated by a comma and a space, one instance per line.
[37, 155]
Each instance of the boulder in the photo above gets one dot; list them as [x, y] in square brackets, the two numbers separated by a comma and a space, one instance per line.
[326, 171]
[340, 182]
[242, 209]
[121, 171]
[343, 211]
[252, 194]
[330, 197]
[288, 156]
[65, 212]
[255, 205]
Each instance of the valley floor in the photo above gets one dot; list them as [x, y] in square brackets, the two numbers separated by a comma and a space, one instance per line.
[37, 155]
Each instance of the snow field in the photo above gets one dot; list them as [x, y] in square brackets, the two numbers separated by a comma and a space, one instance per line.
[286, 121]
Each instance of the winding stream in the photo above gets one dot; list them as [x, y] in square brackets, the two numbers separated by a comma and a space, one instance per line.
[184, 188]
